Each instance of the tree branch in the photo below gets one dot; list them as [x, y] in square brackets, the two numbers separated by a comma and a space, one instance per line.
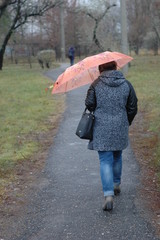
[97, 21]
[36, 11]
[105, 12]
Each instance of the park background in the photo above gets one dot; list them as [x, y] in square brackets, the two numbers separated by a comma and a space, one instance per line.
[29, 114]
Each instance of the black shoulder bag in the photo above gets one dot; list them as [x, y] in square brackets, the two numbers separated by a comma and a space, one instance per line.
[85, 126]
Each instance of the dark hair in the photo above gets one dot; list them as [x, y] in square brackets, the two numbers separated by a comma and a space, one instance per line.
[107, 66]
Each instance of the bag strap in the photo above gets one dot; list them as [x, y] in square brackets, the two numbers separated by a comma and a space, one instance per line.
[86, 110]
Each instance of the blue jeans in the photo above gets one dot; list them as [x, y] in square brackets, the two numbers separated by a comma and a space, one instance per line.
[71, 60]
[110, 170]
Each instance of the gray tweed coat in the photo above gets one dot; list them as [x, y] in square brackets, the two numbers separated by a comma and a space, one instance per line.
[113, 100]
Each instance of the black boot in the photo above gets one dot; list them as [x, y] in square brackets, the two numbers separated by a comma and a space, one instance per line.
[117, 190]
[108, 204]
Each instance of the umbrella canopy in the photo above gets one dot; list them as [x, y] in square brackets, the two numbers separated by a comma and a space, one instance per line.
[86, 71]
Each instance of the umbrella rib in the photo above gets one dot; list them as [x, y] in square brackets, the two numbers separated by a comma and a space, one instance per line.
[90, 75]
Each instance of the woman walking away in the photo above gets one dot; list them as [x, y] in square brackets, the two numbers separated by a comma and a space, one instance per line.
[113, 100]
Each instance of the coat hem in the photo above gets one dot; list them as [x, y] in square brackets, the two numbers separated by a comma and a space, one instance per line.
[108, 149]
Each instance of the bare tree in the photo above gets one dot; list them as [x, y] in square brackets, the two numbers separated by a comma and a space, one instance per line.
[155, 18]
[72, 23]
[97, 20]
[51, 28]
[20, 11]
[151, 42]
[144, 24]
[89, 15]
[139, 22]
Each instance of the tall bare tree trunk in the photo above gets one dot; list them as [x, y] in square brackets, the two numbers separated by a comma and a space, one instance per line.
[7, 37]
[3, 48]
[1, 59]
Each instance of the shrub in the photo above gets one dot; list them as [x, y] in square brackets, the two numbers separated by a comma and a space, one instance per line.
[46, 57]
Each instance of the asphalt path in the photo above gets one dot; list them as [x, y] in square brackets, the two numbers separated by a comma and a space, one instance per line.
[68, 201]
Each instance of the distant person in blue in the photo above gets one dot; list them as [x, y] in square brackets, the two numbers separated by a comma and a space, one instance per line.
[71, 54]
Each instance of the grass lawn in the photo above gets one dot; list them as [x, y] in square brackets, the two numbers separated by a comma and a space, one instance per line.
[145, 77]
[25, 111]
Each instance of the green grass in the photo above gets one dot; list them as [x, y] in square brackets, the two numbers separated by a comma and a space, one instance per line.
[145, 77]
[24, 110]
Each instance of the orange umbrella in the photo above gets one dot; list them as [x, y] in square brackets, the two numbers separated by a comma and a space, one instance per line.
[86, 71]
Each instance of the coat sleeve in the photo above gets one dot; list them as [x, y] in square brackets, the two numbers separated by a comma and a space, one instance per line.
[131, 106]
[90, 101]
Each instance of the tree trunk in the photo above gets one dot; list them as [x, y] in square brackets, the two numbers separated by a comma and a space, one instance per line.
[136, 50]
[157, 42]
[1, 58]
[8, 35]
[3, 48]
[95, 39]
[156, 47]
